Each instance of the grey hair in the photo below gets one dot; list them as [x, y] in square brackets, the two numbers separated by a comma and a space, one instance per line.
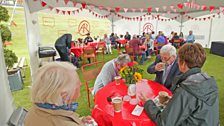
[123, 59]
[134, 36]
[169, 49]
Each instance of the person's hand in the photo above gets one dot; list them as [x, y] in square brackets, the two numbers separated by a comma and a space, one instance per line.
[87, 119]
[143, 98]
[160, 66]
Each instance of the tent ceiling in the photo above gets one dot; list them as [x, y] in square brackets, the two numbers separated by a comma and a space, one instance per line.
[35, 6]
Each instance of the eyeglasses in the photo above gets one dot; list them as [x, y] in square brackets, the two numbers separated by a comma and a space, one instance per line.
[166, 58]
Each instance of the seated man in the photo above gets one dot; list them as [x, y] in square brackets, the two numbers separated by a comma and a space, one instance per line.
[190, 37]
[165, 66]
[109, 71]
[195, 101]
[135, 43]
[88, 39]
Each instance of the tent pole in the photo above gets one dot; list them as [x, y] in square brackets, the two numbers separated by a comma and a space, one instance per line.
[181, 22]
[210, 33]
[13, 12]
[156, 26]
[139, 25]
[33, 38]
[112, 23]
[6, 100]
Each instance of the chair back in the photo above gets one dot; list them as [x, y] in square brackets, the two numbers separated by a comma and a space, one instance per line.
[89, 51]
[90, 72]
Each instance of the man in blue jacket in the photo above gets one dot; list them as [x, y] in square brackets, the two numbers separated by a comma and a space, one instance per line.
[63, 44]
[165, 66]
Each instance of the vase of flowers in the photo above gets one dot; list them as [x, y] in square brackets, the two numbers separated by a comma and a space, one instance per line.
[131, 73]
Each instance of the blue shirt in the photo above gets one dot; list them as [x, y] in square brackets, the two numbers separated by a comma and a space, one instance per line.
[190, 38]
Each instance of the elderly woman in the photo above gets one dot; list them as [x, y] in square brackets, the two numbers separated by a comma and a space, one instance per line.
[54, 91]
[109, 71]
[195, 99]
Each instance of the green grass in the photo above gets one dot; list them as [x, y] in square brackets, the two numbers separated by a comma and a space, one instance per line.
[214, 64]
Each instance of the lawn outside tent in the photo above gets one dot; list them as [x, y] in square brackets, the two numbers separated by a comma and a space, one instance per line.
[214, 66]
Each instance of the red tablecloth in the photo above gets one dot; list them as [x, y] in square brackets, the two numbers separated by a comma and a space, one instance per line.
[122, 41]
[78, 50]
[94, 44]
[103, 112]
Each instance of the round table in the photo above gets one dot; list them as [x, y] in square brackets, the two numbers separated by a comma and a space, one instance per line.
[103, 111]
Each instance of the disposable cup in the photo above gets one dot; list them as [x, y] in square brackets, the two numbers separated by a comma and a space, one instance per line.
[117, 103]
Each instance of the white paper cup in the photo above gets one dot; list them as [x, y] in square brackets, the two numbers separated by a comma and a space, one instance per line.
[117, 79]
[117, 103]
[134, 101]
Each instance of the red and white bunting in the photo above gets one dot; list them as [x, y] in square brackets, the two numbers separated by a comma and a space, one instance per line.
[180, 6]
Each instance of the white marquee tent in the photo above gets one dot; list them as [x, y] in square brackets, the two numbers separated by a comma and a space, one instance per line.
[204, 17]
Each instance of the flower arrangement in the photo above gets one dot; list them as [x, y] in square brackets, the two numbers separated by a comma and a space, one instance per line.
[131, 73]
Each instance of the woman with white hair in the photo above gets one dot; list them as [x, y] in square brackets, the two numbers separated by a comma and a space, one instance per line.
[109, 71]
[165, 66]
[55, 88]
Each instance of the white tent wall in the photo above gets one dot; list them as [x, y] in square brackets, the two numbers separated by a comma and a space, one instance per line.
[200, 30]
[217, 33]
[6, 100]
[134, 27]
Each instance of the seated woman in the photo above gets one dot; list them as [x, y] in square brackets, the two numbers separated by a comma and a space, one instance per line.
[195, 100]
[54, 90]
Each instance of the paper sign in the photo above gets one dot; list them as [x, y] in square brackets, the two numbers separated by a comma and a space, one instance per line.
[137, 111]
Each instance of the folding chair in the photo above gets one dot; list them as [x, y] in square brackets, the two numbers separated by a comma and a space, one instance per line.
[101, 48]
[90, 72]
[89, 52]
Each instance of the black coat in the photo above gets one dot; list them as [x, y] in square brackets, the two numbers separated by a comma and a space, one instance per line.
[174, 71]
[65, 41]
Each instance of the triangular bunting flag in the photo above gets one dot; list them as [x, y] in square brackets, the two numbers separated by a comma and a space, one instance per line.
[133, 10]
[100, 7]
[74, 4]
[117, 9]
[66, 2]
[125, 10]
[69, 12]
[149, 9]
[63, 12]
[73, 12]
[57, 11]
[141, 9]
[157, 9]
[83, 5]
[211, 8]
[50, 7]
[43, 4]
[180, 6]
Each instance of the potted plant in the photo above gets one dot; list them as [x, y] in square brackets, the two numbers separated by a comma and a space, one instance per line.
[15, 77]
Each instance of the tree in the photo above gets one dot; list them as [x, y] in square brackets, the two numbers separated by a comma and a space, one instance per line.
[10, 56]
